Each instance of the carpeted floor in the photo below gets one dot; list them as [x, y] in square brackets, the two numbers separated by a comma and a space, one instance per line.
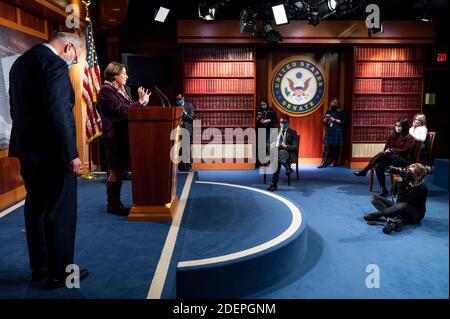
[122, 256]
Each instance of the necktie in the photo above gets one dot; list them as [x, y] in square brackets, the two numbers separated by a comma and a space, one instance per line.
[280, 140]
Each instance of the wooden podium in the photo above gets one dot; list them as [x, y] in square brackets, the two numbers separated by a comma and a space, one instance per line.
[154, 175]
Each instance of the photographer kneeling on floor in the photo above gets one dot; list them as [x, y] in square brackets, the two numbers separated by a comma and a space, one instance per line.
[411, 198]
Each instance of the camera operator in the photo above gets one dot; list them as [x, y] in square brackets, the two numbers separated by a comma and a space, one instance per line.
[411, 199]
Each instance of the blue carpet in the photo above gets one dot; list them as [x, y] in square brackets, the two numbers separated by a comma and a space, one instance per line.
[440, 177]
[413, 263]
[121, 256]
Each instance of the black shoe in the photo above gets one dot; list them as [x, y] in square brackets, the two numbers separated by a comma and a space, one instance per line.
[394, 224]
[362, 172]
[372, 216]
[116, 208]
[272, 188]
[334, 164]
[59, 283]
[323, 165]
[289, 171]
[39, 274]
[384, 192]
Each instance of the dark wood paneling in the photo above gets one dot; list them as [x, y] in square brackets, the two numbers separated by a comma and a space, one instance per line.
[327, 32]
[8, 11]
[32, 21]
[10, 177]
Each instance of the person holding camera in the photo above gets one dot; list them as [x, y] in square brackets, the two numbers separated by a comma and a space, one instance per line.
[397, 152]
[334, 120]
[411, 199]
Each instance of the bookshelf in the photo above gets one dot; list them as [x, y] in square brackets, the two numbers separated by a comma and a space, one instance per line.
[220, 83]
[387, 85]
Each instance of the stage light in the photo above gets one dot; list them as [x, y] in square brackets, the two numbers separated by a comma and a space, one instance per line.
[247, 23]
[279, 14]
[299, 5]
[206, 12]
[269, 34]
[161, 14]
[427, 16]
[332, 5]
[314, 18]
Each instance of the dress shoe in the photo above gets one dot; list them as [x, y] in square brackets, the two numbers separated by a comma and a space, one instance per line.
[272, 188]
[372, 216]
[116, 208]
[53, 283]
[39, 274]
[323, 165]
[362, 172]
[334, 164]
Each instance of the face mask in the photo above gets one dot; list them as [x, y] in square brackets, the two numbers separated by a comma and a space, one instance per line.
[283, 126]
[180, 102]
[69, 64]
[333, 107]
[263, 106]
[398, 129]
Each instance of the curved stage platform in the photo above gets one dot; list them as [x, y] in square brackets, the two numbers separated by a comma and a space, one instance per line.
[237, 240]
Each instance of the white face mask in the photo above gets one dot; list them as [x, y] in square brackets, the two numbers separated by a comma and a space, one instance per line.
[398, 129]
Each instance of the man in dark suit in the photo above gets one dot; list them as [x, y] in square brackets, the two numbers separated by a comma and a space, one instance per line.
[43, 138]
[188, 118]
[286, 144]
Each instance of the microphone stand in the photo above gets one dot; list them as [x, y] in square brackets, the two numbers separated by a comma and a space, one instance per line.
[159, 95]
[162, 93]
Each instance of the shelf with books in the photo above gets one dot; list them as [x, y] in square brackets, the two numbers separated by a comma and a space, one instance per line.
[387, 85]
[220, 83]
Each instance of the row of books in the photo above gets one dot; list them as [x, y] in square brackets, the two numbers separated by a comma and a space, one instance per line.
[388, 69]
[222, 69]
[387, 85]
[216, 102]
[218, 54]
[218, 136]
[219, 86]
[372, 134]
[381, 118]
[392, 54]
[388, 102]
[226, 118]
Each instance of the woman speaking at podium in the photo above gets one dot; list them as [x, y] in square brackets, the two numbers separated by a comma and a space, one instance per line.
[113, 107]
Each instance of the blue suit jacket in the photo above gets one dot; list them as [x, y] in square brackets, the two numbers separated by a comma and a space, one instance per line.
[41, 99]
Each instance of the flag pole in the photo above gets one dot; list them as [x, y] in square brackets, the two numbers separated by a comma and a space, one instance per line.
[89, 174]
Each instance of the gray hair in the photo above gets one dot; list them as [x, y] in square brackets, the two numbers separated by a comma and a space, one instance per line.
[67, 37]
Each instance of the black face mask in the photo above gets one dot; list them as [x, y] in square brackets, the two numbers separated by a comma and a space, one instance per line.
[333, 107]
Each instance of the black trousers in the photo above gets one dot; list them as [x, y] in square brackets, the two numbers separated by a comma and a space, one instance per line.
[50, 215]
[329, 149]
[276, 175]
[382, 161]
[405, 211]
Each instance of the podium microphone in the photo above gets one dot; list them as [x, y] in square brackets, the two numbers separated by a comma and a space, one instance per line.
[159, 95]
[162, 93]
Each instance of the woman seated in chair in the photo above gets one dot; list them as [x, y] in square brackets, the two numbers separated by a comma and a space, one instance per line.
[396, 152]
[419, 130]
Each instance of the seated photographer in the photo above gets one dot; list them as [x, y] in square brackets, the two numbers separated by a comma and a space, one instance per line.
[287, 150]
[411, 198]
[397, 152]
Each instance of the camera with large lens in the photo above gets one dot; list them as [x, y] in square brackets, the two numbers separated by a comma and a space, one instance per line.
[405, 173]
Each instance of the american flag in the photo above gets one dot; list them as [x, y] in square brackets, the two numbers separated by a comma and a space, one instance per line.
[91, 86]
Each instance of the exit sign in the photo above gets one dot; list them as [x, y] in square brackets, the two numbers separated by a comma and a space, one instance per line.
[441, 57]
